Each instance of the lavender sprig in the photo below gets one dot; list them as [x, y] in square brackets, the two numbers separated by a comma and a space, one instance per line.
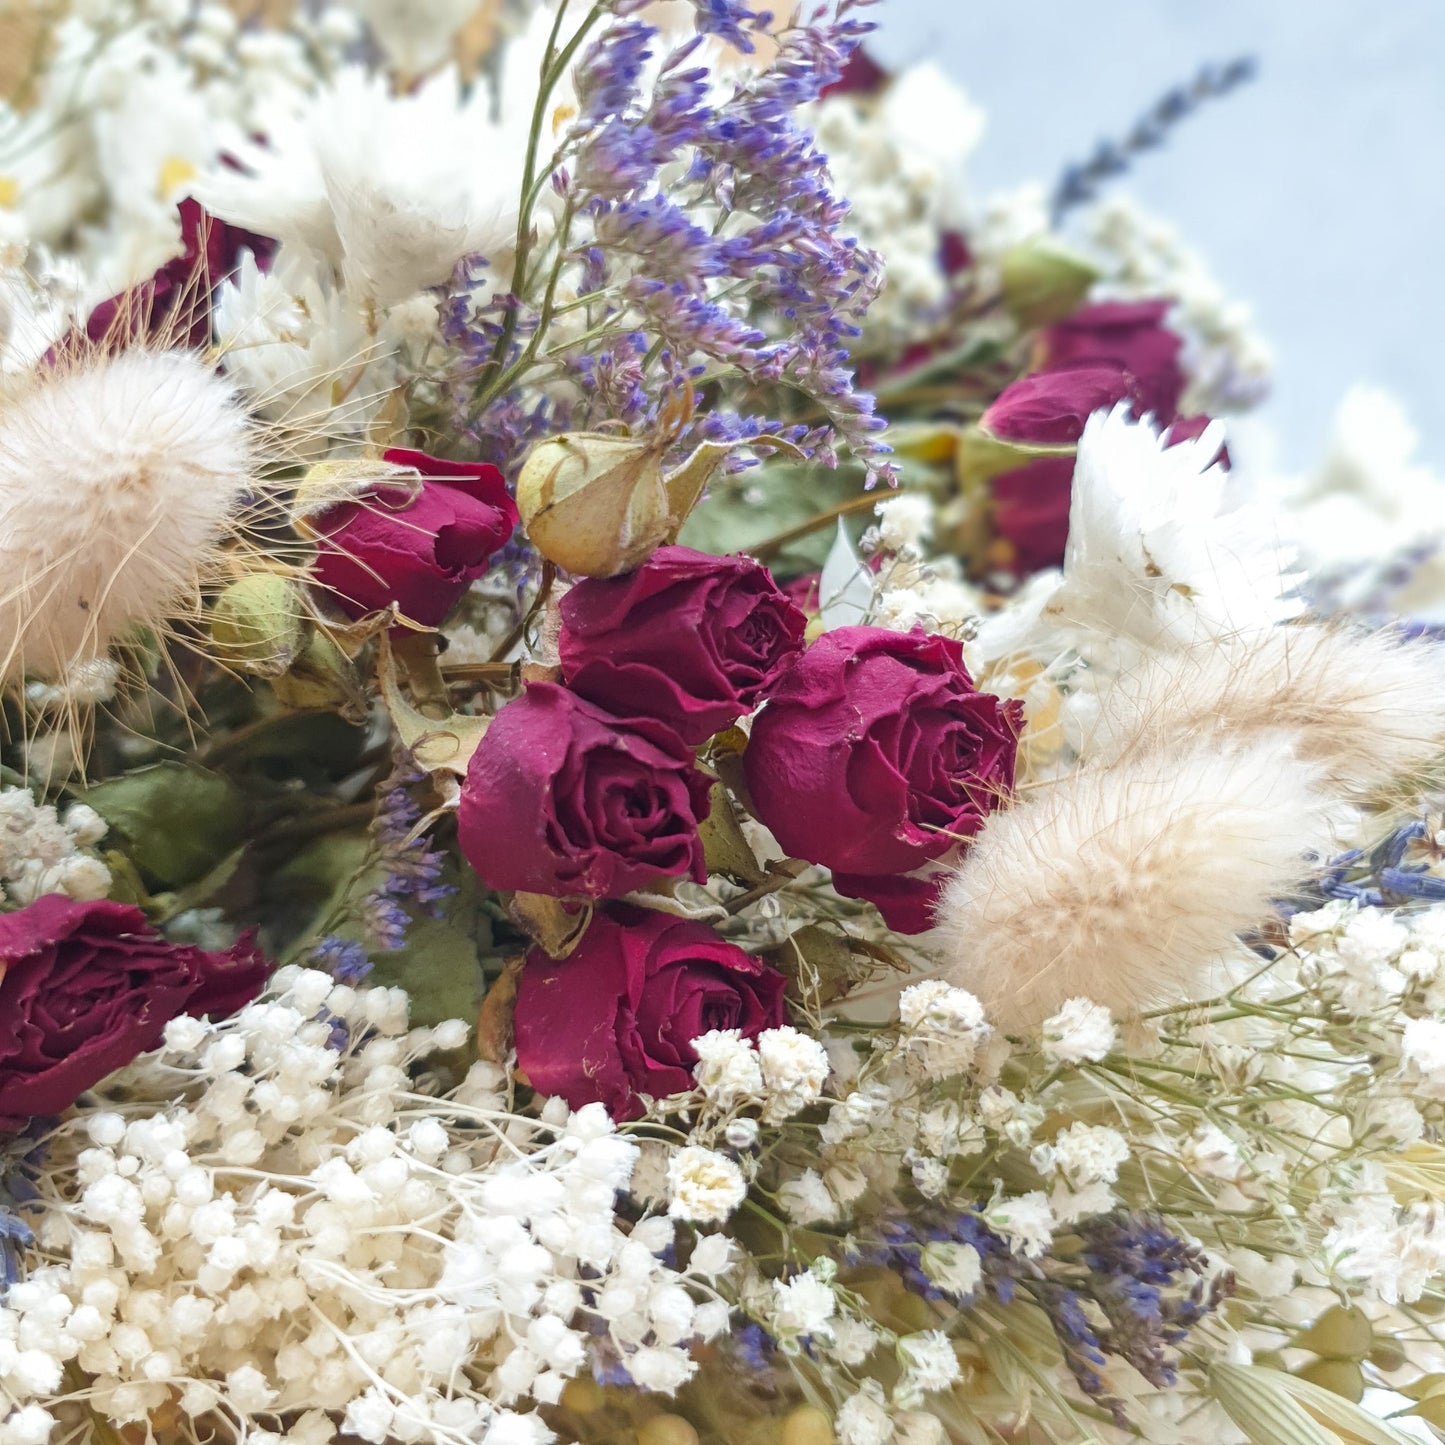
[1080, 182]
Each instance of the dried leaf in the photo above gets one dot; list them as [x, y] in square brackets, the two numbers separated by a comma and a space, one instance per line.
[436, 745]
[547, 923]
[494, 1020]
[724, 847]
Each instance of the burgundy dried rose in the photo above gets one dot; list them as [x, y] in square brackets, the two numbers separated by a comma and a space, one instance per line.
[419, 542]
[618, 1016]
[565, 799]
[1049, 408]
[87, 987]
[1031, 513]
[876, 753]
[691, 639]
[1131, 335]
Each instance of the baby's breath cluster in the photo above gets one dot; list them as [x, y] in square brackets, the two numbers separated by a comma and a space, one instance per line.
[283, 1223]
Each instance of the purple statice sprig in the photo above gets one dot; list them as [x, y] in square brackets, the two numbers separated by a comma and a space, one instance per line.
[1081, 181]
[1126, 1285]
[411, 872]
[700, 247]
[1398, 871]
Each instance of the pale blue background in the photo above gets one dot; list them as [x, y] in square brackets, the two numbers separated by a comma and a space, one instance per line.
[1317, 192]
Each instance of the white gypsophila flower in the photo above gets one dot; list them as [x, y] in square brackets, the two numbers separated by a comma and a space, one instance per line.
[249, 1291]
[1071, 1205]
[929, 1364]
[1160, 551]
[1394, 1123]
[157, 460]
[918, 1427]
[899, 159]
[806, 1199]
[956, 1268]
[1422, 1052]
[392, 190]
[1365, 514]
[727, 1069]
[802, 1305]
[905, 520]
[794, 1068]
[1081, 1031]
[851, 1340]
[1084, 1154]
[1209, 1153]
[1390, 1252]
[864, 1418]
[943, 1026]
[936, 1007]
[705, 1187]
[1026, 1222]
[41, 853]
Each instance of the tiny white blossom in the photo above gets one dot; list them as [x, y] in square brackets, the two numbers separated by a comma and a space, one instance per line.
[956, 1268]
[705, 1187]
[929, 1364]
[727, 1069]
[1080, 1031]
[864, 1418]
[1026, 1222]
[1422, 1051]
[794, 1067]
[802, 1305]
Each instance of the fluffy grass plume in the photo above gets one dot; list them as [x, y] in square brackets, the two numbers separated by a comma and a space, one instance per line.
[1368, 708]
[1126, 884]
[121, 479]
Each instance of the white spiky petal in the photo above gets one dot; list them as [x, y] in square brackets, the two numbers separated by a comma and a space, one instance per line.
[1159, 551]
[1125, 885]
[116, 481]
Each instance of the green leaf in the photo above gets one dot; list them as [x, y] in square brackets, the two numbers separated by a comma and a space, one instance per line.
[178, 822]
[440, 967]
[748, 508]
[1258, 1403]
[724, 847]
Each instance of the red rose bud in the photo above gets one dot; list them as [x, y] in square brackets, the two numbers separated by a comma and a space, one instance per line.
[876, 752]
[690, 639]
[1049, 408]
[1132, 335]
[176, 301]
[419, 547]
[617, 1017]
[565, 799]
[87, 987]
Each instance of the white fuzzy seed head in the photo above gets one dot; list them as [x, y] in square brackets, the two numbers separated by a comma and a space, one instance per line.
[1126, 884]
[118, 479]
[1368, 707]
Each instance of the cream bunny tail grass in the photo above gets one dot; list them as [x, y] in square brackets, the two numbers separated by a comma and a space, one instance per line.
[1126, 884]
[121, 481]
[1367, 707]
